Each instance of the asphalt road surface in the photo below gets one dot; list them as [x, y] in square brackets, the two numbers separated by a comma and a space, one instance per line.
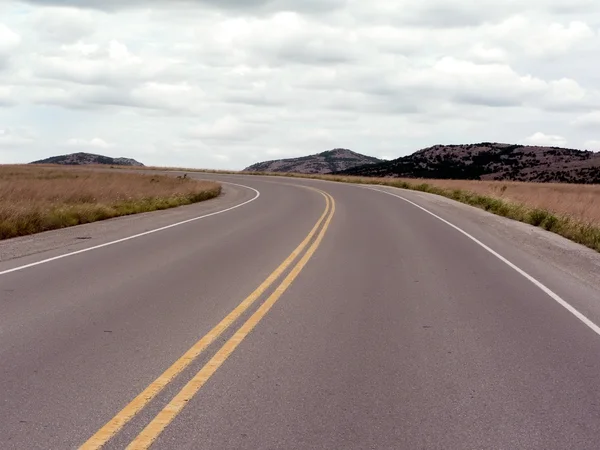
[300, 314]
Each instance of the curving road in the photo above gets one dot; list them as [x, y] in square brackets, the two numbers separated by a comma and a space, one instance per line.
[300, 314]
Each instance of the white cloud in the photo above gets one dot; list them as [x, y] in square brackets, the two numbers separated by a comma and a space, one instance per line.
[178, 82]
[15, 137]
[88, 143]
[493, 84]
[9, 41]
[6, 96]
[110, 64]
[588, 120]
[175, 97]
[487, 54]
[15, 144]
[185, 5]
[541, 39]
[592, 144]
[228, 128]
[64, 25]
[542, 139]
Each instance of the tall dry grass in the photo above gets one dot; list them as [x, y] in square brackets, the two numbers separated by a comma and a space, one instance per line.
[577, 201]
[35, 198]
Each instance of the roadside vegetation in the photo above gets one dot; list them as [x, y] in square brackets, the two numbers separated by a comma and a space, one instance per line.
[40, 198]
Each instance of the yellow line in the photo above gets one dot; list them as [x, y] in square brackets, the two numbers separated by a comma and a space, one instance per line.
[149, 434]
[113, 426]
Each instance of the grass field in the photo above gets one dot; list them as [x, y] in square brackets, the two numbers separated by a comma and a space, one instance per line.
[577, 201]
[41, 198]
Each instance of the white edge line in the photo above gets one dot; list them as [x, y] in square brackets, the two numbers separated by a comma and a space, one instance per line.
[537, 283]
[128, 238]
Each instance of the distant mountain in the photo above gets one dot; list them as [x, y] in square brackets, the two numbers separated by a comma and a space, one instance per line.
[491, 161]
[327, 162]
[76, 159]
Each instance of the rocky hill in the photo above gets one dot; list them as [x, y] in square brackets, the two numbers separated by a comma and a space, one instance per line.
[491, 161]
[335, 160]
[76, 159]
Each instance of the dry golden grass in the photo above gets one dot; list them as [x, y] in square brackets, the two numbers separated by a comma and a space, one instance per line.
[40, 198]
[578, 201]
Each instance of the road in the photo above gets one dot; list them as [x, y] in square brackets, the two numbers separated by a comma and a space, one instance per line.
[300, 314]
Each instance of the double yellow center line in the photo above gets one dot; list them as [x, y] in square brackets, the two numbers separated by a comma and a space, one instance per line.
[149, 434]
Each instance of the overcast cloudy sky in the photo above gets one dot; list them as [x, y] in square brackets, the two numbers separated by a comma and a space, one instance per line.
[225, 83]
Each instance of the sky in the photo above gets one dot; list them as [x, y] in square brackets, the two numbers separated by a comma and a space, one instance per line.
[226, 83]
